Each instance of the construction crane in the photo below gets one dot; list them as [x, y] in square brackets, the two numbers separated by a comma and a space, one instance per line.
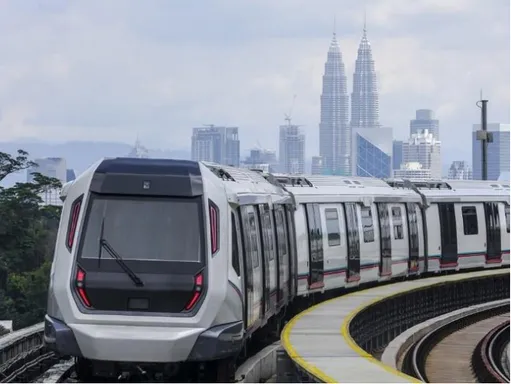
[287, 116]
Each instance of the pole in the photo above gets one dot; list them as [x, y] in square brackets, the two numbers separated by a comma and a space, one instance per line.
[484, 142]
[485, 137]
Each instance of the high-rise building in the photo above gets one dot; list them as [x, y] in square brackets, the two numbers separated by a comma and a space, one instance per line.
[263, 159]
[425, 119]
[423, 148]
[460, 170]
[50, 167]
[138, 151]
[412, 170]
[364, 98]
[317, 165]
[291, 149]
[397, 154]
[70, 174]
[334, 130]
[498, 151]
[372, 152]
[54, 167]
[216, 144]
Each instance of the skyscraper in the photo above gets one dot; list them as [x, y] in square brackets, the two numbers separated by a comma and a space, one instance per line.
[372, 152]
[216, 144]
[498, 151]
[138, 151]
[460, 170]
[425, 119]
[397, 154]
[291, 149]
[364, 98]
[424, 149]
[334, 130]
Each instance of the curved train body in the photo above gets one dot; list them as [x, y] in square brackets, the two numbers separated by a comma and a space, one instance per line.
[167, 261]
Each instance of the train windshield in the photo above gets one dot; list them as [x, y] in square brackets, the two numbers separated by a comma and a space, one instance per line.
[144, 228]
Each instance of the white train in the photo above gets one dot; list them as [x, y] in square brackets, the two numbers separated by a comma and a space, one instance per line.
[165, 263]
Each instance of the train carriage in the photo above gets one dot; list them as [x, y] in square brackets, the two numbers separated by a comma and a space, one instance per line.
[163, 264]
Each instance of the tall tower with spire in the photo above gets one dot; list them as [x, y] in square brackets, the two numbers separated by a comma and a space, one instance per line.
[371, 148]
[364, 98]
[334, 129]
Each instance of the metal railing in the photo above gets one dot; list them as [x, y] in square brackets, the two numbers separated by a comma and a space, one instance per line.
[375, 326]
[378, 324]
[19, 349]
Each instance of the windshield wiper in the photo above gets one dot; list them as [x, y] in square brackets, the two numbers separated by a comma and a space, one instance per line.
[138, 282]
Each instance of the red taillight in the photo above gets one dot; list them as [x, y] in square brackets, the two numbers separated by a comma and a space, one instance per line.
[197, 292]
[75, 212]
[80, 287]
[214, 228]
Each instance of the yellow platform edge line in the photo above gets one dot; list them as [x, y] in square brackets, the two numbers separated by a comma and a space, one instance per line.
[344, 330]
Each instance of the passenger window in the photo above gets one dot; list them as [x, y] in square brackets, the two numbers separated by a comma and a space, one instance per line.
[235, 250]
[506, 210]
[332, 227]
[469, 220]
[367, 224]
[397, 222]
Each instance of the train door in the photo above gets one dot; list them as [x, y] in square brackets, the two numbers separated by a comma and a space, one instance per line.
[422, 238]
[353, 262]
[293, 258]
[252, 281]
[270, 269]
[316, 268]
[283, 255]
[448, 235]
[493, 241]
[413, 238]
[237, 261]
[385, 240]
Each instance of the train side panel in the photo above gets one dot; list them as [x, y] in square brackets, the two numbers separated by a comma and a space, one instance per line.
[334, 245]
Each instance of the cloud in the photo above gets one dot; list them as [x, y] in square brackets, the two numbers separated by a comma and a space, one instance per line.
[109, 70]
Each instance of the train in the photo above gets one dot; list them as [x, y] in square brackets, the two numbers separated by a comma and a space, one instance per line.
[173, 266]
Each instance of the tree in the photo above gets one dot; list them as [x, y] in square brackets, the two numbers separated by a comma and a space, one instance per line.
[27, 239]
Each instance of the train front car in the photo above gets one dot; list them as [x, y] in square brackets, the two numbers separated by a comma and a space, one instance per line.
[138, 281]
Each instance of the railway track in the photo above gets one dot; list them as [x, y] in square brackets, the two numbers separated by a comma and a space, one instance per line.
[48, 368]
[488, 359]
[445, 354]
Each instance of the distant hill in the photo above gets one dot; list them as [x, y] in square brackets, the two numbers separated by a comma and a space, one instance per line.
[79, 155]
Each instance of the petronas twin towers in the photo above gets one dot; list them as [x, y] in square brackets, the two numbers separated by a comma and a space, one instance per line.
[336, 125]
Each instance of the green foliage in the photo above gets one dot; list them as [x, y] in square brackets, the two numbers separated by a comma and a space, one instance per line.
[27, 240]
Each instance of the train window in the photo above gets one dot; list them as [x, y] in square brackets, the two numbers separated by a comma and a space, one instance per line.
[506, 211]
[235, 250]
[397, 222]
[253, 239]
[367, 224]
[332, 227]
[469, 220]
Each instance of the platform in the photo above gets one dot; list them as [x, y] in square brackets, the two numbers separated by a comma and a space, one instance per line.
[318, 339]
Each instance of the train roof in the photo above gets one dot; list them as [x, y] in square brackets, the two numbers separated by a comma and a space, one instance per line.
[247, 186]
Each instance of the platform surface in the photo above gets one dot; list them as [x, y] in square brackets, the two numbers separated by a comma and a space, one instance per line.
[318, 339]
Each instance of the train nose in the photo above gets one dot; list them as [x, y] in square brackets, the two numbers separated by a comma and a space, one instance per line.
[135, 343]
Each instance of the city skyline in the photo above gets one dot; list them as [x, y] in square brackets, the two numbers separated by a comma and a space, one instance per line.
[79, 90]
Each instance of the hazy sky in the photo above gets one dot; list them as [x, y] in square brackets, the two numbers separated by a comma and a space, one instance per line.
[106, 70]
